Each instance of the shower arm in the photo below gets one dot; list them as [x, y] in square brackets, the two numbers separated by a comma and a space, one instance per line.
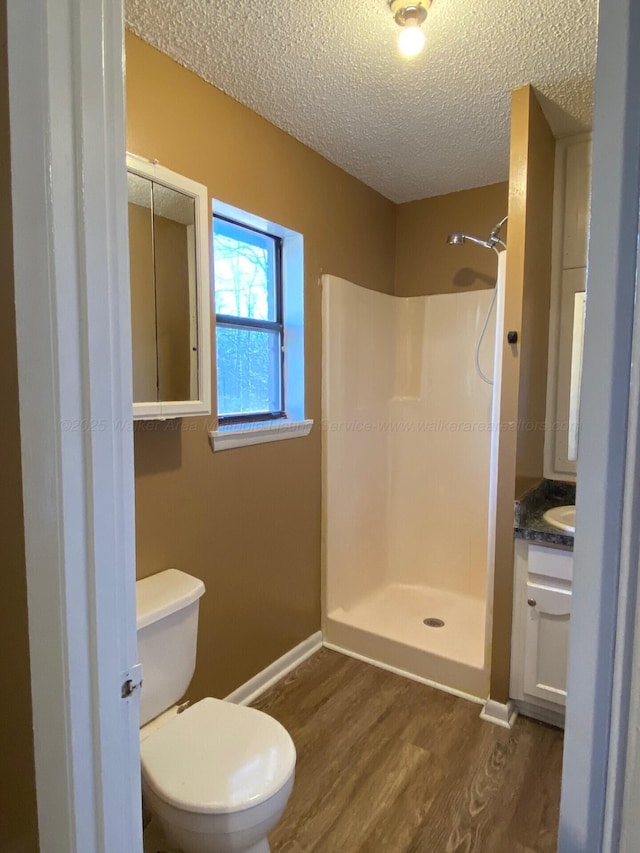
[487, 244]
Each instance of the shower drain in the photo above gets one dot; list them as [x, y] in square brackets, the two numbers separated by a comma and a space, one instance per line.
[433, 623]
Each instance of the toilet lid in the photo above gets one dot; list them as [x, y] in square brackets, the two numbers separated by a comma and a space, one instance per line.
[217, 757]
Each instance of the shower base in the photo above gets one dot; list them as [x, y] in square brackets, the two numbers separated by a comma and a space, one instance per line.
[387, 627]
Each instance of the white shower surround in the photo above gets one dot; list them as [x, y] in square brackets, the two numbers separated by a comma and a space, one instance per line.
[407, 491]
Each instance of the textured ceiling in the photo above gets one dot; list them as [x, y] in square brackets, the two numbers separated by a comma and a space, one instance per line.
[329, 73]
[168, 203]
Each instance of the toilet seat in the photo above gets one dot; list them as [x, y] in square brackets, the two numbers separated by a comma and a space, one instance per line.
[217, 758]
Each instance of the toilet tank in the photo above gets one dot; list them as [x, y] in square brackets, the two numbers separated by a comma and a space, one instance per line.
[167, 619]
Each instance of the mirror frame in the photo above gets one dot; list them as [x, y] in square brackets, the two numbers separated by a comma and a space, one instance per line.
[162, 409]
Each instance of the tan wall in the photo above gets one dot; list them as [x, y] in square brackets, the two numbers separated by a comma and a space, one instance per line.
[524, 367]
[425, 264]
[247, 521]
[18, 817]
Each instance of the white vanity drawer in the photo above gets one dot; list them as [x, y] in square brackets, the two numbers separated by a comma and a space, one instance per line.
[550, 563]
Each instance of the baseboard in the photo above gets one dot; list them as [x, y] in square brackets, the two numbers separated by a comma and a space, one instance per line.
[276, 671]
[543, 715]
[404, 674]
[500, 713]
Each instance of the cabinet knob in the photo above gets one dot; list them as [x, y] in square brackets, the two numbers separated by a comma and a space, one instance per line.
[531, 602]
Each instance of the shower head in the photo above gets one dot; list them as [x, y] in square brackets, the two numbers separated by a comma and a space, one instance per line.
[457, 238]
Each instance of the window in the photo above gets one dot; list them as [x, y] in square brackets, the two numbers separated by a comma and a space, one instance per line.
[249, 318]
[259, 302]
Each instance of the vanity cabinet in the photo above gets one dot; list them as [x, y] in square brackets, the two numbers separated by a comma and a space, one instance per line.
[540, 639]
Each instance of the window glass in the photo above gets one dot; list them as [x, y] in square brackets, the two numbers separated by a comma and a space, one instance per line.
[245, 272]
[249, 378]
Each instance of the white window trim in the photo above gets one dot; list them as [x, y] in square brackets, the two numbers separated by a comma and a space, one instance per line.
[242, 435]
[294, 425]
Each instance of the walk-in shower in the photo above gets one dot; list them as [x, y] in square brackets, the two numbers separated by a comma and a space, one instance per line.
[408, 479]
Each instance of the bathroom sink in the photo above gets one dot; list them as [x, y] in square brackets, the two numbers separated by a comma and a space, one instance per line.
[562, 517]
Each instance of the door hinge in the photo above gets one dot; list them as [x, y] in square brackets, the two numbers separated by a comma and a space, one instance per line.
[131, 681]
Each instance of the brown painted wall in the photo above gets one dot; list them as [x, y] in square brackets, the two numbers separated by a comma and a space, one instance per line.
[18, 817]
[246, 521]
[524, 366]
[425, 264]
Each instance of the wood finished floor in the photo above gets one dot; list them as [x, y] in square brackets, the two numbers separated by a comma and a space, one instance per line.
[386, 765]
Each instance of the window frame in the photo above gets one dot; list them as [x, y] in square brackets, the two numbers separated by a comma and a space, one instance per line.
[232, 321]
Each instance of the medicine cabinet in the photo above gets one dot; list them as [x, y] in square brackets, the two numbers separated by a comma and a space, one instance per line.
[169, 227]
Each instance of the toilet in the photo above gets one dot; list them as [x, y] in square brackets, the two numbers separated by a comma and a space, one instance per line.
[216, 776]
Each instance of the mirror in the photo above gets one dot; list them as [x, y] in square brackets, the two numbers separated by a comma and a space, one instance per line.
[141, 276]
[571, 222]
[169, 280]
[579, 306]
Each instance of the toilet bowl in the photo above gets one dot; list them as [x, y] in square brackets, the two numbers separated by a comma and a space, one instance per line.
[216, 776]
[238, 832]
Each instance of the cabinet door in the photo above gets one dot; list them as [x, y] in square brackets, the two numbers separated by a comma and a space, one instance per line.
[547, 642]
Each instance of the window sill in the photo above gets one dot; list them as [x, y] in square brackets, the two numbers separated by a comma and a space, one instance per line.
[242, 435]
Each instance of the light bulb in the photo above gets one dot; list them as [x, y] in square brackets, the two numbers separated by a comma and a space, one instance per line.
[411, 40]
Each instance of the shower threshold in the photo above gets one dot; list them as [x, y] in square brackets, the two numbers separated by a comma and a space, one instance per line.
[388, 627]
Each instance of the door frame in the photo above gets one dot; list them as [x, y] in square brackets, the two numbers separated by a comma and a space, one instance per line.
[603, 617]
[74, 356]
[66, 90]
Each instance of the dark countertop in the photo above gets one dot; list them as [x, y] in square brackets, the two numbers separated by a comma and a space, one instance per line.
[528, 522]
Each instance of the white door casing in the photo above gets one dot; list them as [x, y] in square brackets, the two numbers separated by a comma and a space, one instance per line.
[74, 362]
[607, 521]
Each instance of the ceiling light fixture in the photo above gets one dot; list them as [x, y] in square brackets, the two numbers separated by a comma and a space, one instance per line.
[410, 17]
